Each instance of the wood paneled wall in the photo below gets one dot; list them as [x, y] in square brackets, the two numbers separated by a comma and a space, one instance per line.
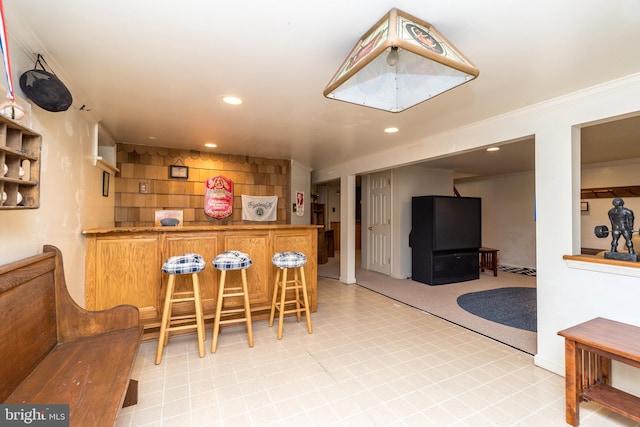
[253, 176]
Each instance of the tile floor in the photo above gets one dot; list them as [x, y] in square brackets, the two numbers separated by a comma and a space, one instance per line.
[370, 362]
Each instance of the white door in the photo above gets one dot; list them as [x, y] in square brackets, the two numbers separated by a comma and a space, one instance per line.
[380, 223]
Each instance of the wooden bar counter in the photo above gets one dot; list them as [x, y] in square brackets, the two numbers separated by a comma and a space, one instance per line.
[123, 265]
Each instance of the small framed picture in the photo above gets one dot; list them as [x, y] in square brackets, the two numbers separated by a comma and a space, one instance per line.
[584, 206]
[105, 184]
[176, 171]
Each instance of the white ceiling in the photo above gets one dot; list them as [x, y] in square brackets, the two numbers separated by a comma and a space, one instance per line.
[158, 68]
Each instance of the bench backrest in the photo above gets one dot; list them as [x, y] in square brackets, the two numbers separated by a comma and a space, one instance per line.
[28, 328]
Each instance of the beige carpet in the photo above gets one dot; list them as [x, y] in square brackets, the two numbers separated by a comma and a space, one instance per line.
[441, 300]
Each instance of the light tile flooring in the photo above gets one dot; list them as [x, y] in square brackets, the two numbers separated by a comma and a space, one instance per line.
[370, 362]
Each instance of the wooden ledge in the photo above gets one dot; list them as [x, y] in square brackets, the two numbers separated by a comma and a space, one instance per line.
[602, 265]
[600, 260]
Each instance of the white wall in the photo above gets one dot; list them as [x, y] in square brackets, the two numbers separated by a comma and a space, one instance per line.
[333, 203]
[508, 205]
[507, 215]
[408, 182]
[568, 293]
[300, 181]
[70, 187]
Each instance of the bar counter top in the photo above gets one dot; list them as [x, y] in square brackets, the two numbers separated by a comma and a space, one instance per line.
[191, 228]
[123, 265]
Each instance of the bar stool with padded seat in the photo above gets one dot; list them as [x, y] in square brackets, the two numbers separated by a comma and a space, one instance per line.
[226, 261]
[284, 261]
[193, 264]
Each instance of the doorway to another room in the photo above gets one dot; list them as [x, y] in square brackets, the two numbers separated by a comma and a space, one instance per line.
[379, 224]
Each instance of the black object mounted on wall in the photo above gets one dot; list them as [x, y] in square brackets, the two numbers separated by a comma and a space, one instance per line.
[44, 88]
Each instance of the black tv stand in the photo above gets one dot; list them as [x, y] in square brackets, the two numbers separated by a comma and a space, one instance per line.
[453, 267]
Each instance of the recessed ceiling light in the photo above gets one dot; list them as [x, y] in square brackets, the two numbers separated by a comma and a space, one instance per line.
[493, 148]
[210, 145]
[231, 100]
[152, 137]
[391, 130]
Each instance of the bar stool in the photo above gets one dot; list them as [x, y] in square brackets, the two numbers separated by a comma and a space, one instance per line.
[189, 263]
[285, 261]
[232, 260]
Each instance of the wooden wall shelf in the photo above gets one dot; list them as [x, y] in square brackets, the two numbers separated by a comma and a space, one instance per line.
[20, 160]
[610, 192]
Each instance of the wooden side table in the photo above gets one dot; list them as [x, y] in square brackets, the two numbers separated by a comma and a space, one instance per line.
[489, 260]
[589, 349]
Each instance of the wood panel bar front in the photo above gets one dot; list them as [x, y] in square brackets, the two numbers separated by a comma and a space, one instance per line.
[123, 265]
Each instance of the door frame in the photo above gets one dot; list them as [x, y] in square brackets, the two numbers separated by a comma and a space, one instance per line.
[384, 268]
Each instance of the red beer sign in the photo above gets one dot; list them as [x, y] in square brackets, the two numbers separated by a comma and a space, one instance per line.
[218, 197]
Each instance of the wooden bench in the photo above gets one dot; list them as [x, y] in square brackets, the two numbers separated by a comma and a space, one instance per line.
[55, 352]
[589, 349]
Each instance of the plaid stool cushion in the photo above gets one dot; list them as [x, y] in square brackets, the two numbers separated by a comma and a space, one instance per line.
[289, 259]
[184, 264]
[232, 260]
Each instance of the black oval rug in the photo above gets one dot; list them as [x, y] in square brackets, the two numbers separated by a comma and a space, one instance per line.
[515, 307]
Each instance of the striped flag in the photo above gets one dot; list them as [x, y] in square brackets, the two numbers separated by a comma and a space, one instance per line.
[4, 45]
